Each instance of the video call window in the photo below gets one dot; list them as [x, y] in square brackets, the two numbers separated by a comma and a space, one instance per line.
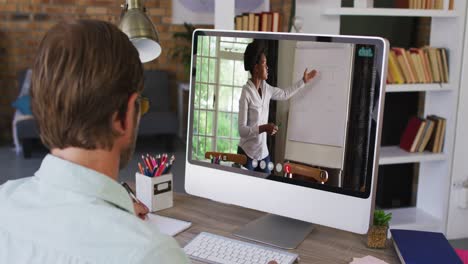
[317, 98]
[218, 86]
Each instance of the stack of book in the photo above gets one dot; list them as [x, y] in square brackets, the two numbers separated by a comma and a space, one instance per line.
[423, 4]
[424, 134]
[417, 65]
[265, 21]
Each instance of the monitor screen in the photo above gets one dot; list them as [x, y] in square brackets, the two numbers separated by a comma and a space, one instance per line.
[287, 123]
[297, 109]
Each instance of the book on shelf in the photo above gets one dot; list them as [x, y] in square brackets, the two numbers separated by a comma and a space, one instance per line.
[437, 142]
[432, 54]
[418, 65]
[412, 66]
[276, 22]
[422, 4]
[451, 4]
[238, 23]
[424, 134]
[410, 133]
[419, 136]
[401, 3]
[422, 144]
[416, 62]
[251, 23]
[445, 65]
[257, 22]
[429, 4]
[245, 21]
[414, 246]
[427, 67]
[265, 21]
[402, 60]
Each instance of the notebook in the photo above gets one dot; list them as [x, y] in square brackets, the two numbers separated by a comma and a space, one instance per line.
[166, 225]
[423, 247]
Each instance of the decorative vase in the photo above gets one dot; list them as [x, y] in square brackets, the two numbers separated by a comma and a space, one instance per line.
[377, 236]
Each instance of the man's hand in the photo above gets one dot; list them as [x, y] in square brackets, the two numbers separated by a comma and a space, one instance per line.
[270, 129]
[309, 75]
[140, 210]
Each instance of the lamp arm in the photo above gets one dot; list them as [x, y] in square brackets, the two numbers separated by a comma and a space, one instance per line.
[135, 4]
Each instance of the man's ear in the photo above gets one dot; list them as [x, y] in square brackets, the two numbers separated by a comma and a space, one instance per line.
[122, 123]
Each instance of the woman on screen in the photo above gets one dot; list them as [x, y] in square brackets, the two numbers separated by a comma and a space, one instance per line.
[254, 106]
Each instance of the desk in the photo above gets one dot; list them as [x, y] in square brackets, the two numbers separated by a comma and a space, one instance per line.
[323, 245]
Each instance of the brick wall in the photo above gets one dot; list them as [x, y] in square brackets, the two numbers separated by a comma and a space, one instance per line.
[24, 22]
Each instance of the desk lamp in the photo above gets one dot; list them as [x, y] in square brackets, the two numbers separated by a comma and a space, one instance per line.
[140, 30]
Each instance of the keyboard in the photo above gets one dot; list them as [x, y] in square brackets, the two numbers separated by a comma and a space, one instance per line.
[210, 248]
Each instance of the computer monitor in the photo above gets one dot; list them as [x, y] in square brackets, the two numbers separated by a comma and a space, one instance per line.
[303, 151]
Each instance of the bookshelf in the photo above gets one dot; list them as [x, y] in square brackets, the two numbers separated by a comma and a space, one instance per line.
[434, 190]
[435, 169]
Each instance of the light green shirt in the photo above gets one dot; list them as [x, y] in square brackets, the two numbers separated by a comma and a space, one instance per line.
[67, 213]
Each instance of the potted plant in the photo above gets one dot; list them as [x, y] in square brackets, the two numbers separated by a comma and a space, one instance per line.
[183, 52]
[377, 235]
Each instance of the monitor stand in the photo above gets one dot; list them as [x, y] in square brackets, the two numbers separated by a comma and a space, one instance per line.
[275, 230]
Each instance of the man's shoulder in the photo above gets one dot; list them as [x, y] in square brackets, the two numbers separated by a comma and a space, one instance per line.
[96, 227]
[10, 187]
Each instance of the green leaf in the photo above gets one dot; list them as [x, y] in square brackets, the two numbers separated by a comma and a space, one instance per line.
[381, 218]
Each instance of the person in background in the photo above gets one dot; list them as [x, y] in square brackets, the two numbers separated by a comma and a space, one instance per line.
[86, 98]
[254, 106]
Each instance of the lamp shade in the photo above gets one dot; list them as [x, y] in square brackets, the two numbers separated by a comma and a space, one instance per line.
[141, 32]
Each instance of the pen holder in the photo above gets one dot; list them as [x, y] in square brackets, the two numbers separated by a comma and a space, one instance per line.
[154, 192]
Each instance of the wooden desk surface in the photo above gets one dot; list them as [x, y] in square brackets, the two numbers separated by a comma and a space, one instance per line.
[323, 245]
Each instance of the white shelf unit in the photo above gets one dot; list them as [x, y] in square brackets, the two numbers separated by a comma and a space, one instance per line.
[396, 155]
[447, 30]
[419, 87]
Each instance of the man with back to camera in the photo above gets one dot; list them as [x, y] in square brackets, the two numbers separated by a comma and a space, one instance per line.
[86, 98]
[254, 104]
